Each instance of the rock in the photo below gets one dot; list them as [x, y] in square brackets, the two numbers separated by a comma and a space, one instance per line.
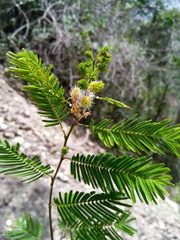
[18, 132]
[62, 177]
[3, 127]
[8, 135]
[18, 140]
[26, 114]
[4, 109]
[27, 145]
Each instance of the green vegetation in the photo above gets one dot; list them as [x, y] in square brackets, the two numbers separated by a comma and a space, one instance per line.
[144, 76]
[89, 215]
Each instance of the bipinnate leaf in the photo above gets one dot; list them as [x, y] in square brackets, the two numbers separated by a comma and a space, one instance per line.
[137, 136]
[99, 231]
[44, 89]
[25, 228]
[91, 215]
[112, 101]
[127, 174]
[18, 165]
[90, 207]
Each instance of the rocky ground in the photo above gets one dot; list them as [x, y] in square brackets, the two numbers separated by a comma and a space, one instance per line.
[19, 122]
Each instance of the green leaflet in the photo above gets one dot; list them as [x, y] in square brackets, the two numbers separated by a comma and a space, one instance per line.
[44, 89]
[91, 215]
[126, 174]
[26, 228]
[101, 231]
[138, 136]
[112, 101]
[18, 165]
[89, 208]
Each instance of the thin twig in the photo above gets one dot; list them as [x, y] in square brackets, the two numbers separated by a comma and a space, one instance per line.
[66, 137]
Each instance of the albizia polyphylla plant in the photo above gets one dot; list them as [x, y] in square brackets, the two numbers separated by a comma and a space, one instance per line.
[103, 215]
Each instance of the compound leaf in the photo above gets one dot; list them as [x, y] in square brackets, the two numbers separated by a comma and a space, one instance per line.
[25, 228]
[125, 174]
[18, 165]
[137, 136]
[44, 89]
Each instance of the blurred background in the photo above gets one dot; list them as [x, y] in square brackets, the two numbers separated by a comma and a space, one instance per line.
[144, 40]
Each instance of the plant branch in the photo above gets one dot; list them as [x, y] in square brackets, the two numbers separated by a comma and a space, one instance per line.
[66, 137]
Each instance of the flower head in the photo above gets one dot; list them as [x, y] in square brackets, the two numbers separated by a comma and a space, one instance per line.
[85, 102]
[81, 102]
[75, 92]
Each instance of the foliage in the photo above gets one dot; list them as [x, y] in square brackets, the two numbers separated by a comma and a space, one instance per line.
[124, 174]
[44, 90]
[137, 136]
[76, 208]
[96, 232]
[95, 214]
[26, 228]
[79, 213]
[18, 165]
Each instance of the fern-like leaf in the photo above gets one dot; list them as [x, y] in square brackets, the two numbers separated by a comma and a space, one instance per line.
[25, 229]
[124, 174]
[138, 136]
[18, 165]
[112, 101]
[101, 231]
[89, 208]
[44, 89]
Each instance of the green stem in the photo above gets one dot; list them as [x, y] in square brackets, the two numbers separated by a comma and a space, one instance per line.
[66, 137]
[83, 125]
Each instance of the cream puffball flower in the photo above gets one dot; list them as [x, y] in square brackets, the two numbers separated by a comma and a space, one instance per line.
[81, 102]
[75, 92]
[86, 98]
[85, 102]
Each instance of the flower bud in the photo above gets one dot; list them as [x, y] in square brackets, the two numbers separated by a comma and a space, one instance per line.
[93, 75]
[83, 84]
[88, 54]
[108, 55]
[64, 150]
[102, 66]
[106, 49]
[99, 59]
[96, 86]
[103, 51]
